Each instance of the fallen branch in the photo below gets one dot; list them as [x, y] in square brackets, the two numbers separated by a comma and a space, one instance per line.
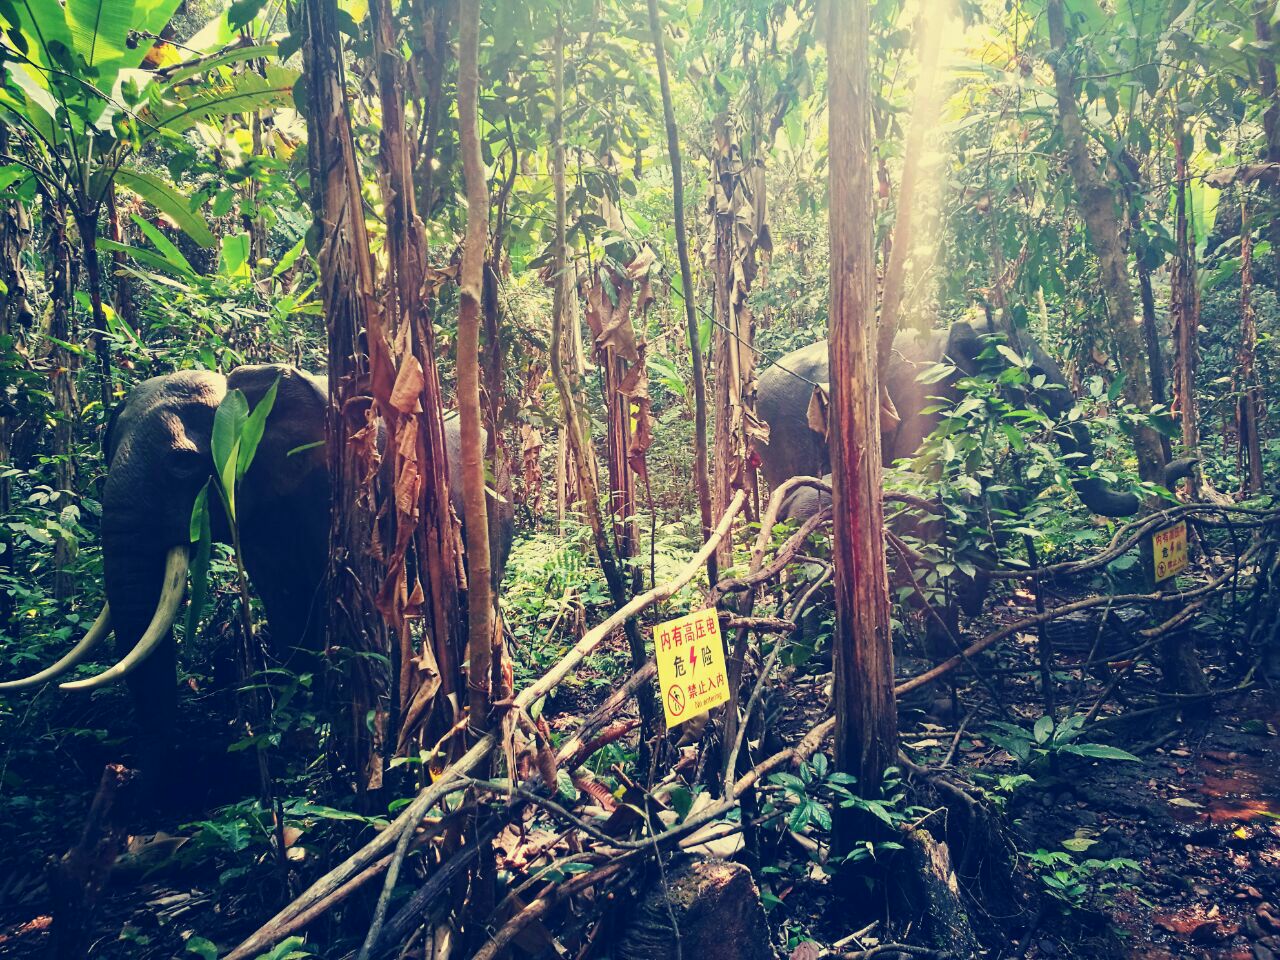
[263, 938]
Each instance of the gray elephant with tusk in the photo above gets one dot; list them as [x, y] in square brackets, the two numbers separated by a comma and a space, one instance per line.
[794, 448]
[158, 458]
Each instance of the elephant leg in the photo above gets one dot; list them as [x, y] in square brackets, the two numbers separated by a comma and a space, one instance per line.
[133, 579]
[941, 632]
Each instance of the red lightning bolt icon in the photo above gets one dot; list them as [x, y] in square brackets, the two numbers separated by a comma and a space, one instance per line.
[693, 658]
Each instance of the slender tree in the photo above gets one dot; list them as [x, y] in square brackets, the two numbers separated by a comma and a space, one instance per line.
[1248, 390]
[701, 478]
[866, 737]
[481, 635]
[1096, 201]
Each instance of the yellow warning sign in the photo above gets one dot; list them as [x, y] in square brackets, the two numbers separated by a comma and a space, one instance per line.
[1169, 550]
[691, 668]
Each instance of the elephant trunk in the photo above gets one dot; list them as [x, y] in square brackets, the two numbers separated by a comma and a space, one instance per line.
[1094, 492]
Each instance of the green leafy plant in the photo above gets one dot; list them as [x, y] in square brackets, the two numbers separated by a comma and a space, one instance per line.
[1073, 882]
[1047, 738]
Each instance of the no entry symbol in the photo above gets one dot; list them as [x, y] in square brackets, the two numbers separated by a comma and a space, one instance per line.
[675, 701]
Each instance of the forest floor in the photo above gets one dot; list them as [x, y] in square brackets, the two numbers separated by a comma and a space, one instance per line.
[1200, 816]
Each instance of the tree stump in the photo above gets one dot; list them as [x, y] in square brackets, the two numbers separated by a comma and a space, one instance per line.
[717, 912]
[77, 878]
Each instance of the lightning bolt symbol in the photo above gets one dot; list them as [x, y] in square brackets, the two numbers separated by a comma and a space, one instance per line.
[693, 659]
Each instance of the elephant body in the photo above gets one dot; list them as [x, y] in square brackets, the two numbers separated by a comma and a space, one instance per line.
[158, 453]
[794, 448]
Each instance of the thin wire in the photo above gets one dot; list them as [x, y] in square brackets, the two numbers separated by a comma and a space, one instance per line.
[733, 333]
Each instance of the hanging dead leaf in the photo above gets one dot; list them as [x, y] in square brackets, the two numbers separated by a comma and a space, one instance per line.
[406, 395]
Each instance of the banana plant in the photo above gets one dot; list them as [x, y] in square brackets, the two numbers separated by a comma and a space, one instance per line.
[80, 110]
[237, 432]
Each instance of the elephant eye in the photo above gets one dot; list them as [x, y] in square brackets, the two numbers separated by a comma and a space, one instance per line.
[183, 462]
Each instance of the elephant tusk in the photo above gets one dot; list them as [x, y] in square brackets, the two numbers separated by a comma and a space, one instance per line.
[175, 585]
[101, 627]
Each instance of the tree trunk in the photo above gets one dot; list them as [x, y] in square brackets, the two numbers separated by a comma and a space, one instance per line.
[124, 304]
[1184, 306]
[481, 637]
[736, 211]
[1155, 355]
[62, 379]
[1271, 114]
[700, 476]
[423, 571]
[1248, 391]
[866, 733]
[358, 363]
[87, 223]
[1096, 202]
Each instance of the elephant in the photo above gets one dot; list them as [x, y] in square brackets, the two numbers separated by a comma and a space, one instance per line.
[794, 448]
[158, 454]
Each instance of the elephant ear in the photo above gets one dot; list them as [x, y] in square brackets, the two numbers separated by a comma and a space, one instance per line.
[816, 415]
[291, 451]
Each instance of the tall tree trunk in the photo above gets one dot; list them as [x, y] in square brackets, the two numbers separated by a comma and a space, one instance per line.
[62, 377]
[1263, 10]
[866, 737]
[701, 478]
[358, 363]
[481, 636]
[1155, 354]
[736, 214]
[87, 224]
[1247, 389]
[1096, 201]
[1184, 306]
[124, 304]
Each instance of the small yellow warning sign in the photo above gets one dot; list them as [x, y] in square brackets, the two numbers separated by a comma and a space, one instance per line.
[691, 667]
[1169, 550]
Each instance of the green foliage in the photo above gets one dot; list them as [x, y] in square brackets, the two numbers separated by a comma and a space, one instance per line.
[1047, 738]
[1073, 883]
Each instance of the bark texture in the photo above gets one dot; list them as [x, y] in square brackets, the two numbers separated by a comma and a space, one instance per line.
[866, 735]
[481, 636]
[358, 362]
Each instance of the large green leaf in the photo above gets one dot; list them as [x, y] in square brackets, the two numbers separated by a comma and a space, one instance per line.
[166, 198]
[43, 28]
[243, 93]
[254, 426]
[100, 32]
[202, 537]
[224, 443]
[236, 55]
[166, 246]
[147, 257]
